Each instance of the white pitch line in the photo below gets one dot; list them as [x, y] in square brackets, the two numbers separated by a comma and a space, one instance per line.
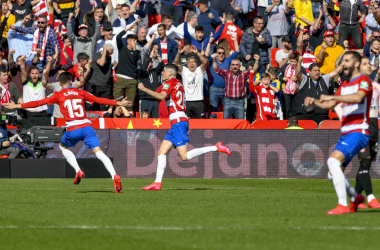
[200, 228]
[200, 188]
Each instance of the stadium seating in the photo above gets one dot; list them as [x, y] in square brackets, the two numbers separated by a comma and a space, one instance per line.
[281, 124]
[330, 124]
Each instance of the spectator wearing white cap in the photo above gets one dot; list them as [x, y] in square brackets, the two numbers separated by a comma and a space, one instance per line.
[328, 52]
[83, 43]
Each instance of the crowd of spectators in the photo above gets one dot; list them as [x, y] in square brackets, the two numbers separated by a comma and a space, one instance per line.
[248, 59]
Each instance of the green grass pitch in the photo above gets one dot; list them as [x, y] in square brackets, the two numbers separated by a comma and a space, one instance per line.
[185, 214]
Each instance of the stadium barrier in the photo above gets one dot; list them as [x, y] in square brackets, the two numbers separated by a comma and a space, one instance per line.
[255, 153]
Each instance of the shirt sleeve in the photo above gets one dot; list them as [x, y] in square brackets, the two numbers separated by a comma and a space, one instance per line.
[51, 99]
[222, 72]
[104, 101]
[167, 88]
[365, 86]
[303, 82]
[326, 78]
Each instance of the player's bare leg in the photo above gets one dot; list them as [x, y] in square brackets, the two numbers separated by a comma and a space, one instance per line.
[165, 147]
[188, 155]
[71, 159]
[109, 166]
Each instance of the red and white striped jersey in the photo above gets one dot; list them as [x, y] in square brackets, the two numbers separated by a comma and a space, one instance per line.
[355, 116]
[71, 103]
[176, 92]
[308, 59]
[164, 51]
[40, 9]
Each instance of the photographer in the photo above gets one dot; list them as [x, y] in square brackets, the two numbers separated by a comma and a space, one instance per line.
[5, 145]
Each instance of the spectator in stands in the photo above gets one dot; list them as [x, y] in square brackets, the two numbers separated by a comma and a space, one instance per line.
[141, 38]
[44, 38]
[199, 40]
[293, 123]
[209, 18]
[167, 46]
[117, 112]
[6, 19]
[34, 88]
[55, 66]
[127, 17]
[21, 43]
[187, 53]
[83, 43]
[217, 88]
[314, 86]
[350, 22]
[282, 55]
[304, 13]
[108, 37]
[277, 23]
[265, 97]
[192, 21]
[170, 29]
[145, 114]
[290, 86]
[93, 18]
[15, 70]
[304, 49]
[327, 53]
[8, 92]
[224, 6]
[85, 7]
[193, 80]
[84, 62]
[275, 82]
[235, 87]
[230, 29]
[101, 71]
[23, 8]
[173, 8]
[370, 22]
[150, 77]
[375, 35]
[126, 83]
[5, 145]
[319, 28]
[256, 41]
[62, 9]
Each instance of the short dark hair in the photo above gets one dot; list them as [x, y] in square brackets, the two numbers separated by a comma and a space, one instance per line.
[34, 67]
[173, 68]
[61, 69]
[4, 1]
[293, 121]
[265, 75]
[374, 40]
[124, 5]
[161, 25]
[294, 56]
[166, 16]
[131, 36]
[98, 8]
[230, 16]
[364, 57]
[42, 16]
[256, 19]
[273, 71]
[356, 57]
[82, 56]
[219, 47]
[65, 77]
[199, 28]
[154, 43]
[312, 66]
[236, 59]
[3, 70]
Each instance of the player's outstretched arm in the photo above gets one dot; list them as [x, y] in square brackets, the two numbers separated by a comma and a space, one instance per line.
[12, 105]
[358, 97]
[326, 104]
[159, 96]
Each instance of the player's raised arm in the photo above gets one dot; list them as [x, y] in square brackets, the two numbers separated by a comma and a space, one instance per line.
[159, 96]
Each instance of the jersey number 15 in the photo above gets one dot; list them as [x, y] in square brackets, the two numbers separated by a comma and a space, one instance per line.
[74, 107]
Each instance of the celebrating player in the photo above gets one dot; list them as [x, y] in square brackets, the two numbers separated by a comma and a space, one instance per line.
[355, 98]
[71, 102]
[177, 135]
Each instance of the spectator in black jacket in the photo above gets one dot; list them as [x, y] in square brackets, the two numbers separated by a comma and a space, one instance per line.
[126, 83]
[93, 17]
[150, 77]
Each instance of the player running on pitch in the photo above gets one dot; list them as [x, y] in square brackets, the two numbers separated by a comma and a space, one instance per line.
[177, 135]
[368, 154]
[355, 98]
[71, 102]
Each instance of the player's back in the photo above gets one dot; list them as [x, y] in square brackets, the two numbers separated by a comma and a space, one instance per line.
[174, 88]
[71, 102]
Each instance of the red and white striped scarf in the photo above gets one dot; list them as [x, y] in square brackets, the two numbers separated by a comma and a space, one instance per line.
[56, 25]
[5, 94]
[164, 51]
[290, 86]
[35, 42]
[308, 59]
[40, 9]
[267, 100]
